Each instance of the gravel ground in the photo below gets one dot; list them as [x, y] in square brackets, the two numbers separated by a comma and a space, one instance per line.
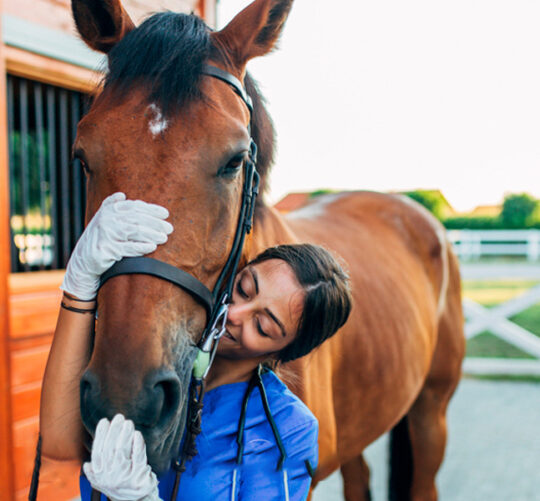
[493, 452]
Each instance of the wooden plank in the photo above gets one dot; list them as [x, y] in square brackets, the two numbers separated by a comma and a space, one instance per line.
[501, 367]
[44, 69]
[30, 343]
[28, 366]
[34, 302]
[25, 435]
[33, 314]
[6, 442]
[37, 281]
[58, 479]
[25, 401]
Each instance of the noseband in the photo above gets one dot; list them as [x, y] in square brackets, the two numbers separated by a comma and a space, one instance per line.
[216, 302]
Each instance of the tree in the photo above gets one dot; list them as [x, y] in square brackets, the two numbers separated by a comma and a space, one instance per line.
[518, 210]
[432, 200]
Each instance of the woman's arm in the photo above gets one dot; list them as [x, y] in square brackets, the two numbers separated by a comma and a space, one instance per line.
[60, 421]
[120, 228]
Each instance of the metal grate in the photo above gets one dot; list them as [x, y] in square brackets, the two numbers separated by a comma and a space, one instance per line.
[47, 192]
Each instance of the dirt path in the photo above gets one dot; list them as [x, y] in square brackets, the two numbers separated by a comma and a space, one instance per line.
[493, 452]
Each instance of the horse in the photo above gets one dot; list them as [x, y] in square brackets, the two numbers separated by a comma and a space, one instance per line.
[162, 130]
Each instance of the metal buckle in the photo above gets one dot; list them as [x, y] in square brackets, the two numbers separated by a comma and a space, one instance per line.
[218, 327]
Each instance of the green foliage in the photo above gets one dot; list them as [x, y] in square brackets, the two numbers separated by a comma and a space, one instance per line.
[432, 200]
[519, 211]
[33, 186]
[317, 193]
[473, 223]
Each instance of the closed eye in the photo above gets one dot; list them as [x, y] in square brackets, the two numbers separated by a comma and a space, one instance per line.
[260, 330]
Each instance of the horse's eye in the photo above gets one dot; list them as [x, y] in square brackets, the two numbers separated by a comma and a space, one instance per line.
[84, 167]
[77, 156]
[233, 166]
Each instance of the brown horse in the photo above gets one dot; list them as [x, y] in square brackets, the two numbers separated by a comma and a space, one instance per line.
[162, 131]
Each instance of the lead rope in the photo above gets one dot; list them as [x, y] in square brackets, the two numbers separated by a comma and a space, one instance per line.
[32, 495]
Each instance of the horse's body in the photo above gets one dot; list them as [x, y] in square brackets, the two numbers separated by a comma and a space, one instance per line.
[400, 353]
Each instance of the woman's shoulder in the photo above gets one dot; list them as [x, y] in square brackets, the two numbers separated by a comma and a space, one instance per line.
[289, 412]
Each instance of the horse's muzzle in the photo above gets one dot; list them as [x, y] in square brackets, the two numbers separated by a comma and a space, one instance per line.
[154, 408]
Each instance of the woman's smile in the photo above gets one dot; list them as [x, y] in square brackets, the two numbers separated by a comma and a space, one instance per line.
[265, 311]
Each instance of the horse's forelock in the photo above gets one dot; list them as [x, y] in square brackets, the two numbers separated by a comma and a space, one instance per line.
[167, 53]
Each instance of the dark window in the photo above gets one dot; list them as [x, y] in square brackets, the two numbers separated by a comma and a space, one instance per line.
[47, 191]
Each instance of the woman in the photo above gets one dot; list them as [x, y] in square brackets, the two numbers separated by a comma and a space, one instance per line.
[257, 439]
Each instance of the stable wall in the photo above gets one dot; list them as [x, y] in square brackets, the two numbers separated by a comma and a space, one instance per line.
[39, 43]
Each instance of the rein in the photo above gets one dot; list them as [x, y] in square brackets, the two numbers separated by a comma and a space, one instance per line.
[216, 302]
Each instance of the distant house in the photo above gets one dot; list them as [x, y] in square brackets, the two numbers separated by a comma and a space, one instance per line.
[486, 211]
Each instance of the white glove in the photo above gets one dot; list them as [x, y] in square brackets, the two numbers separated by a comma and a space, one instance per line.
[119, 467]
[120, 228]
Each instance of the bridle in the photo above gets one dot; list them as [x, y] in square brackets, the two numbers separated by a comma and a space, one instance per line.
[216, 302]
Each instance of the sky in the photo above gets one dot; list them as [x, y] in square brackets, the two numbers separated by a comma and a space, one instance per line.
[389, 95]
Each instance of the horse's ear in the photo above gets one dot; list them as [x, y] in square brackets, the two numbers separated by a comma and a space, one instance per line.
[101, 23]
[254, 31]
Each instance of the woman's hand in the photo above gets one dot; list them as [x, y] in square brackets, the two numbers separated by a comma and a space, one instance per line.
[120, 228]
[119, 467]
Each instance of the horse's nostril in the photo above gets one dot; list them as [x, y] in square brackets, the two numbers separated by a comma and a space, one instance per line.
[89, 394]
[165, 399]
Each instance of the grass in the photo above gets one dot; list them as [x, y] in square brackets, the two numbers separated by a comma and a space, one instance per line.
[529, 319]
[487, 345]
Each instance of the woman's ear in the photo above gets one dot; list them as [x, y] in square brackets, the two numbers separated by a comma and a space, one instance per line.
[254, 31]
[101, 23]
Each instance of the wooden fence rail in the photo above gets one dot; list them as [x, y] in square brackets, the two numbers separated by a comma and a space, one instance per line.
[473, 244]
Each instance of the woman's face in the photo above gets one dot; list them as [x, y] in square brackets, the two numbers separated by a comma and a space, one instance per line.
[265, 311]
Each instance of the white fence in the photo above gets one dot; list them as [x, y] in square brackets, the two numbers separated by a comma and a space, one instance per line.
[473, 244]
[496, 320]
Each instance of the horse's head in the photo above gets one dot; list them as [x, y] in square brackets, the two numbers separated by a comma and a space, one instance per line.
[162, 131]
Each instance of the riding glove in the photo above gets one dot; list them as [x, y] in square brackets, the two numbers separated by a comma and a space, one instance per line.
[120, 228]
[119, 466]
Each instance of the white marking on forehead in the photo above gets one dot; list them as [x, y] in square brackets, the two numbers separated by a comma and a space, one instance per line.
[316, 208]
[157, 124]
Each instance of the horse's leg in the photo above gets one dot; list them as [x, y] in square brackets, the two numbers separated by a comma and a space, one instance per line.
[356, 480]
[421, 435]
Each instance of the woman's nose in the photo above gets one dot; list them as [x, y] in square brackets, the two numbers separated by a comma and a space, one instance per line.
[238, 312]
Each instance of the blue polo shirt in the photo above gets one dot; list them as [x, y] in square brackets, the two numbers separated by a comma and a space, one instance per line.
[214, 475]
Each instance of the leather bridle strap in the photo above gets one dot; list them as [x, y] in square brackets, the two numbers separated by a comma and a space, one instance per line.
[226, 77]
[166, 271]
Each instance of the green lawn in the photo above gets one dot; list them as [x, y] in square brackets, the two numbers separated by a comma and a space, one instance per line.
[490, 293]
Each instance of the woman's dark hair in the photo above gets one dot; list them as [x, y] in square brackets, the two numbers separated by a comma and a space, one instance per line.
[327, 301]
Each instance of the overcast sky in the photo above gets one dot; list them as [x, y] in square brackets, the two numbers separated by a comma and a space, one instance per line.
[394, 95]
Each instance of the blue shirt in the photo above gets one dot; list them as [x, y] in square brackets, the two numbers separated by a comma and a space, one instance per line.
[214, 474]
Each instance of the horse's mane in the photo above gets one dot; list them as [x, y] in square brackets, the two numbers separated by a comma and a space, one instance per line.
[167, 53]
